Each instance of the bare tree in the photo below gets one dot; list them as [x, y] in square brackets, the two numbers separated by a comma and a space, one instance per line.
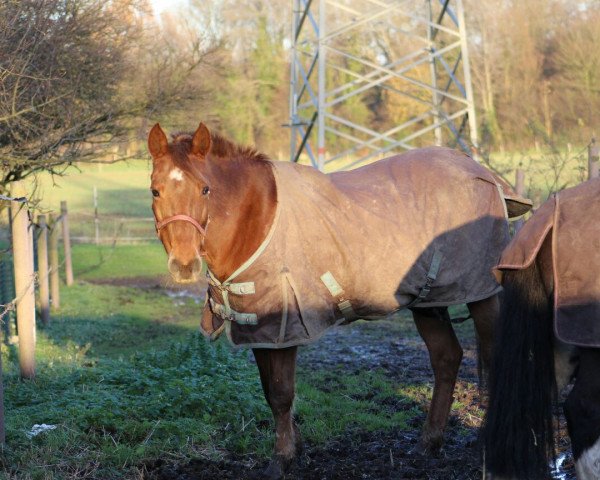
[178, 65]
[76, 75]
[60, 67]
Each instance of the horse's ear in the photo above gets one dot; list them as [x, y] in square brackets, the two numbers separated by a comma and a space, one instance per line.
[157, 141]
[201, 141]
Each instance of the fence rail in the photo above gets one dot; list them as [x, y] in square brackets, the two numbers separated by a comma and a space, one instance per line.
[111, 229]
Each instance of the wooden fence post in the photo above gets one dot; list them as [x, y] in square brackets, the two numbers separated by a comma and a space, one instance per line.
[2, 428]
[5, 297]
[96, 219]
[520, 189]
[66, 242]
[54, 268]
[24, 282]
[42, 249]
[32, 254]
[593, 159]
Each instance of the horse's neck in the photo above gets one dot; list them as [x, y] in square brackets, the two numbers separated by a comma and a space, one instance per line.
[241, 219]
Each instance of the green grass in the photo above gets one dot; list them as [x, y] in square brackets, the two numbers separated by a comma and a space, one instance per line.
[105, 319]
[124, 200]
[332, 403]
[92, 262]
[122, 189]
[126, 378]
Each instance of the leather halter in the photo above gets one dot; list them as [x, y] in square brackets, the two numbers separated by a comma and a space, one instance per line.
[185, 218]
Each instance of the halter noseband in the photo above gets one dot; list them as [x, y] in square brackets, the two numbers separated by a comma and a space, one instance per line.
[185, 218]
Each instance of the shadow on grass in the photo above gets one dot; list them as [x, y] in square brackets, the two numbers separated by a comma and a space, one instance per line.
[115, 335]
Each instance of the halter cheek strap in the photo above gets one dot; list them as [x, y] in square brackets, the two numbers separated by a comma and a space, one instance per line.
[185, 218]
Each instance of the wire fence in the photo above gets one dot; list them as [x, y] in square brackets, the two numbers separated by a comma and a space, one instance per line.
[108, 230]
[111, 229]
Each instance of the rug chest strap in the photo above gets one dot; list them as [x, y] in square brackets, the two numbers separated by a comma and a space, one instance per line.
[338, 294]
[231, 315]
[224, 310]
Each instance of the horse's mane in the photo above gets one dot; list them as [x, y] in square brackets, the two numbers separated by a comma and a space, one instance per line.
[220, 147]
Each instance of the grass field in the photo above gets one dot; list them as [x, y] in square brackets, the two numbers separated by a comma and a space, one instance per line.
[124, 201]
[123, 189]
[106, 262]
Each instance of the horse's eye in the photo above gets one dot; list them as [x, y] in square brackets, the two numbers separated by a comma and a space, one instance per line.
[205, 190]
[155, 193]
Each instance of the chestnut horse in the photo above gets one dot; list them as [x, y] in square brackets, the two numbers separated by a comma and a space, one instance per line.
[215, 202]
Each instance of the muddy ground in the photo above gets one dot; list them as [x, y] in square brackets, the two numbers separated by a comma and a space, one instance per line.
[394, 347]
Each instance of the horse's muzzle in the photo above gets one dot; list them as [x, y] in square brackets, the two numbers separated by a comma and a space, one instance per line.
[185, 273]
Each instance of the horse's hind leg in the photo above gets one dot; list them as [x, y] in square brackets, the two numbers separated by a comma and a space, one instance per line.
[277, 370]
[582, 409]
[445, 354]
[484, 313]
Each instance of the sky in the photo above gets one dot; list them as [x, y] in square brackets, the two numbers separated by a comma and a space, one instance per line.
[162, 5]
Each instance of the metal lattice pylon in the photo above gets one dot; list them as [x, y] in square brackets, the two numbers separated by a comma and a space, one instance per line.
[371, 77]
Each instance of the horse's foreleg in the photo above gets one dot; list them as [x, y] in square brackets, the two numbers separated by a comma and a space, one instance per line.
[582, 409]
[277, 370]
[445, 354]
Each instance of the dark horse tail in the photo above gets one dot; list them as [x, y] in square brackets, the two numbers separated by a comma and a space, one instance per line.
[518, 428]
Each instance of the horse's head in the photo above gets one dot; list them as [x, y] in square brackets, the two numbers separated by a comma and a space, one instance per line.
[180, 202]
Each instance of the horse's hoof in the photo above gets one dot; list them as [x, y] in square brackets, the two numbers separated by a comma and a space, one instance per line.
[427, 447]
[277, 468]
[431, 441]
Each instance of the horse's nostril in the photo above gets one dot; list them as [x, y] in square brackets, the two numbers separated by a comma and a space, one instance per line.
[197, 265]
[173, 265]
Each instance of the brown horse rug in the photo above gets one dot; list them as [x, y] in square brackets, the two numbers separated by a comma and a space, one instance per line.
[573, 216]
[419, 229]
